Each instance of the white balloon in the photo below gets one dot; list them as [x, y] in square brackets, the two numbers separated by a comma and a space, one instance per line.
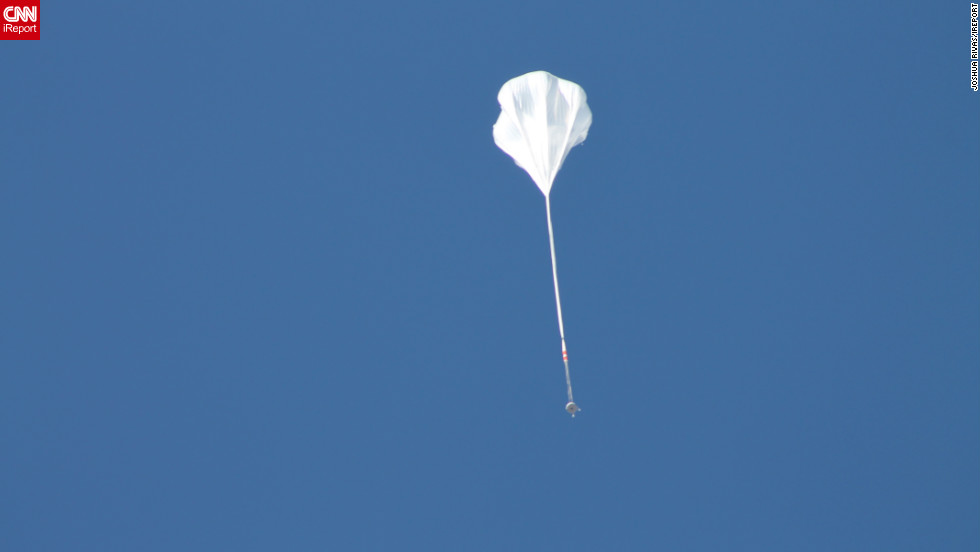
[542, 117]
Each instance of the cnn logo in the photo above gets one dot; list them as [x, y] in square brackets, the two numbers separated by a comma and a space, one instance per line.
[22, 20]
[16, 14]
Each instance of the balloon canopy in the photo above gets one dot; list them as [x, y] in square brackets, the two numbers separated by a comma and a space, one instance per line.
[542, 117]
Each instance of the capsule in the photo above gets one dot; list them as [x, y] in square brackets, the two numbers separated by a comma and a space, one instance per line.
[571, 408]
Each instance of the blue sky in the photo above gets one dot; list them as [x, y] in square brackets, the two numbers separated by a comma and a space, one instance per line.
[268, 284]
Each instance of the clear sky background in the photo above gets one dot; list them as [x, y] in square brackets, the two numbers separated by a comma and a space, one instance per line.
[268, 284]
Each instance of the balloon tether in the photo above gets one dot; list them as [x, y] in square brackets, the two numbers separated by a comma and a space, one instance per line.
[571, 407]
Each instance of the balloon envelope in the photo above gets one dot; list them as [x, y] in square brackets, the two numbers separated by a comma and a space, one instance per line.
[542, 117]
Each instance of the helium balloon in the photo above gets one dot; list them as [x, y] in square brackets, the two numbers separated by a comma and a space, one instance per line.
[542, 117]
